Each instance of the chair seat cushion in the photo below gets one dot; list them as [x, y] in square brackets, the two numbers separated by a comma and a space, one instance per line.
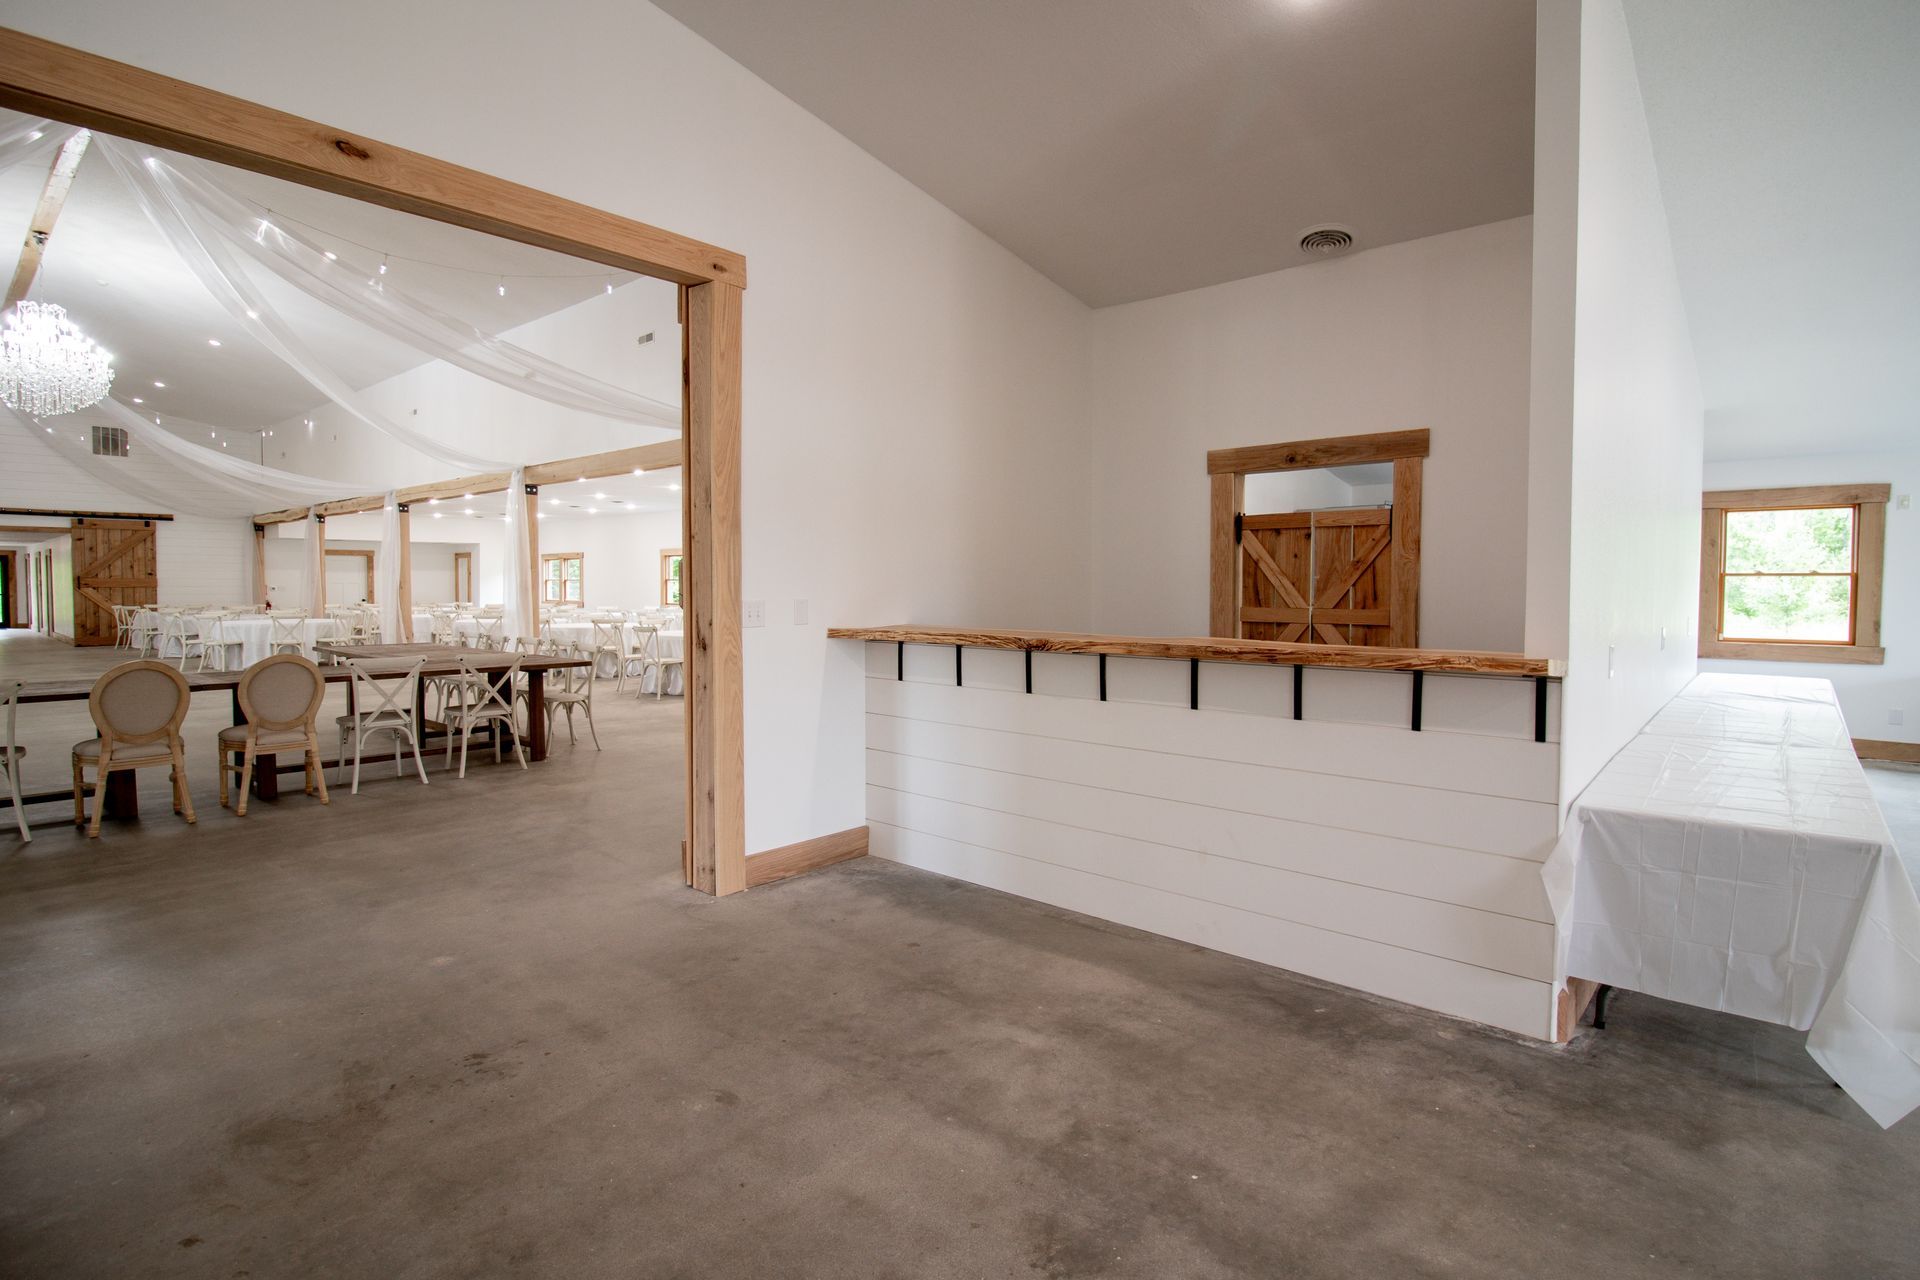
[124, 753]
[236, 735]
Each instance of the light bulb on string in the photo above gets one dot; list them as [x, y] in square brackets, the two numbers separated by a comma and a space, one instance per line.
[383, 264]
[502, 287]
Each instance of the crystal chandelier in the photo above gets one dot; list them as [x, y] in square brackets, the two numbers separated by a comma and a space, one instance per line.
[47, 366]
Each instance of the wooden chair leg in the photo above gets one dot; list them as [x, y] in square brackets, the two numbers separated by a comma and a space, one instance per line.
[79, 794]
[99, 794]
[246, 781]
[180, 782]
[314, 770]
[220, 767]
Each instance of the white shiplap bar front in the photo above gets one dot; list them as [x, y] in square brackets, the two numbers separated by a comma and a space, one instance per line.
[1342, 845]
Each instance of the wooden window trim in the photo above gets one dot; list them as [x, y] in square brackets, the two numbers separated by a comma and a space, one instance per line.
[545, 557]
[666, 557]
[1869, 502]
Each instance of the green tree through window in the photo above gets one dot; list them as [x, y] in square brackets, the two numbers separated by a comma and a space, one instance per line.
[1789, 575]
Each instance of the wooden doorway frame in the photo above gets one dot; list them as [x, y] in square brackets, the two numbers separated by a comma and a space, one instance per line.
[364, 555]
[1227, 472]
[47, 79]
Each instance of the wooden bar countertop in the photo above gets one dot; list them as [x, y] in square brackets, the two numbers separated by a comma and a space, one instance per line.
[1216, 649]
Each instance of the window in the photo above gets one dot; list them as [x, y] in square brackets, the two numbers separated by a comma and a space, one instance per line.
[563, 578]
[1793, 574]
[670, 561]
[110, 442]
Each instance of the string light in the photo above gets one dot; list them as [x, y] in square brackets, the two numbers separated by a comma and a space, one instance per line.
[383, 264]
[503, 287]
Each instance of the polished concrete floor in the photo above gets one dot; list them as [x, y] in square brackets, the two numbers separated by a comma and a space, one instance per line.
[478, 1028]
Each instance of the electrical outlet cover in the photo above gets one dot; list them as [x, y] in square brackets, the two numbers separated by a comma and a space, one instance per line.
[753, 613]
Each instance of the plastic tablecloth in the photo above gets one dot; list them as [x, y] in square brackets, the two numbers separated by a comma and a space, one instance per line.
[1731, 856]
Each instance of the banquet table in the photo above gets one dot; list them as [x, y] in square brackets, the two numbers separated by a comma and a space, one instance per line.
[122, 797]
[1732, 856]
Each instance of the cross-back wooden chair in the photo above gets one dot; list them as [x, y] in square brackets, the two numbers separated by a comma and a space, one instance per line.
[385, 700]
[137, 708]
[484, 698]
[280, 697]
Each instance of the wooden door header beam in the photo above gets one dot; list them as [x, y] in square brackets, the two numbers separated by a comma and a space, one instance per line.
[83, 515]
[595, 466]
[1332, 451]
[36, 76]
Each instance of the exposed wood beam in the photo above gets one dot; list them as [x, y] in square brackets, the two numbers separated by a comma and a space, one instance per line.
[53, 198]
[1333, 451]
[594, 466]
[83, 515]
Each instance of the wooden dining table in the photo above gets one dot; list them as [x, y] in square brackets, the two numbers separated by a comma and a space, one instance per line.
[123, 800]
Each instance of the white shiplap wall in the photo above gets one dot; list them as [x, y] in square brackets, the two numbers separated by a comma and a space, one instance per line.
[1344, 846]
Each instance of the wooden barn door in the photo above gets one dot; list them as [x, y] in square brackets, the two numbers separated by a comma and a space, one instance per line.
[114, 562]
[1317, 577]
[1349, 577]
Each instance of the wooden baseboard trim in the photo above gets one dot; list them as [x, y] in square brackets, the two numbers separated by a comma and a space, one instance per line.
[807, 855]
[1876, 749]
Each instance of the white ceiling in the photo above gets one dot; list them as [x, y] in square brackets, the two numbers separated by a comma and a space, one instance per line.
[125, 286]
[1133, 148]
[1787, 136]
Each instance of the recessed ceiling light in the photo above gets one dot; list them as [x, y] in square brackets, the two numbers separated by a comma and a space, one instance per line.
[674, 487]
[467, 496]
[332, 256]
[159, 384]
[213, 342]
[601, 496]
[138, 400]
[439, 515]
[639, 471]
[252, 314]
[468, 510]
[593, 511]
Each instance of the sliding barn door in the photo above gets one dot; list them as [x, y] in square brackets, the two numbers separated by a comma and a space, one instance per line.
[1318, 577]
[114, 562]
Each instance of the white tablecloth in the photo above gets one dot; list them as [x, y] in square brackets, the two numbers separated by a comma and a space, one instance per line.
[1731, 856]
[236, 642]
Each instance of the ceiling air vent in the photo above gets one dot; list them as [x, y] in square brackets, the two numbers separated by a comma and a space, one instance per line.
[1324, 242]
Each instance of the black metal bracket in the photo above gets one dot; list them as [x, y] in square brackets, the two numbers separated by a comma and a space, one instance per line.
[959, 672]
[1029, 656]
[1299, 688]
[900, 660]
[1103, 677]
[1193, 685]
[1539, 708]
[1419, 691]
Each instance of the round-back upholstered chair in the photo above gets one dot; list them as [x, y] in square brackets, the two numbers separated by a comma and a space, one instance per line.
[137, 708]
[280, 696]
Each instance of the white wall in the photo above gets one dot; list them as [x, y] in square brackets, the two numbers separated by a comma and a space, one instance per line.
[201, 560]
[1343, 845]
[914, 401]
[1867, 694]
[622, 565]
[1614, 506]
[1432, 333]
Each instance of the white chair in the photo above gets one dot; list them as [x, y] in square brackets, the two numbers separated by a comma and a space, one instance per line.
[654, 661]
[143, 632]
[137, 708]
[183, 630]
[490, 631]
[481, 698]
[214, 644]
[609, 637]
[384, 701]
[570, 689]
[287, 633]
[280, 697]
[10, 762]
[633, 657]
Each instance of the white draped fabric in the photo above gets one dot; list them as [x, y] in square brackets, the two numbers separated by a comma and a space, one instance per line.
[522, 608]
[223, 468]
[386, 570]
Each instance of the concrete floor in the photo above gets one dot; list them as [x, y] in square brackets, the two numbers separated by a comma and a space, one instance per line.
[479, 1028]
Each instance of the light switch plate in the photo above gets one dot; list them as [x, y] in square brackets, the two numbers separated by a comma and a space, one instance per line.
[799, 613]
[753, 613]
[1896, 716]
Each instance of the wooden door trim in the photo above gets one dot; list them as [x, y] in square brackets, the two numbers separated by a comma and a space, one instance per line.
[81, 88]
[1227, 470]
[353, 551]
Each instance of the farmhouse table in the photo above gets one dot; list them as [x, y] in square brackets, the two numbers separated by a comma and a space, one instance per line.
[123, 799]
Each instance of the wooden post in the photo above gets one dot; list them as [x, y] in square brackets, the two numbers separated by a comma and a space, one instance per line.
[710, 591]
[405, 601]
[260, 565]
[1406, 553]
[1223, 556]
[319, 554]
[533, 561]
